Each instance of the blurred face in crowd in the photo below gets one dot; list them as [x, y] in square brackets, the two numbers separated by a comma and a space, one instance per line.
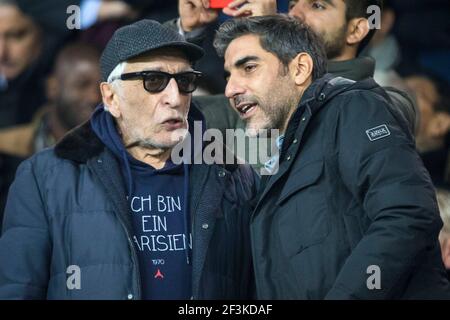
[19, 41]
[151, 120]
[259, 86]
[443, 199]
[76, 91]
[434, 125]
[328, 19]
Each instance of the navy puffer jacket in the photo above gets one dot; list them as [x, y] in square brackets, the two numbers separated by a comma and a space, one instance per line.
[67, 207]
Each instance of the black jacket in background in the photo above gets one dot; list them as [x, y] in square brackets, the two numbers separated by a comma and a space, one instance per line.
[351, 193]
[23, 97]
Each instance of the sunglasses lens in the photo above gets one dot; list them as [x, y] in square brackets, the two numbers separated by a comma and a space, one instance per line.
[155, 82]
[187, 82]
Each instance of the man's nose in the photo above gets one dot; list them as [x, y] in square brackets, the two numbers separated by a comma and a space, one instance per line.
[233, 88]
[298, 11]
[171, 94]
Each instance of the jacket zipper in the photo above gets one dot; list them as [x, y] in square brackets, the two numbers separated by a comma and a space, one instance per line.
[133, 257]
[131, 247]
[255, 268]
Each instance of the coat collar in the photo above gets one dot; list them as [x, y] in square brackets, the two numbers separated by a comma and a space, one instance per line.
[355, 69]
[80, 144]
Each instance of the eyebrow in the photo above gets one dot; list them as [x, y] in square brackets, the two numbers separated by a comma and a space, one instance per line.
[330, 2]
[244, 60]
[241, 62]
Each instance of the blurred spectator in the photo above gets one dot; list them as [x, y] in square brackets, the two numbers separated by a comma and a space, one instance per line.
[434, 126]
[52, 15]
[198, 25]
[384, 47]
[30, 33]
[21, 69]
[200, 29]
[72, 91]
[60, 18]
[101, 18]
[443, 198]
[385, 50]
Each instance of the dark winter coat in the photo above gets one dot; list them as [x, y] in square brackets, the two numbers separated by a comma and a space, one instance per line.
[351, 200]
[67, 207]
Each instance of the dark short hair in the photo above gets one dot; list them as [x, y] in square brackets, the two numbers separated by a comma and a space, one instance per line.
[358, 9]
[280, 34]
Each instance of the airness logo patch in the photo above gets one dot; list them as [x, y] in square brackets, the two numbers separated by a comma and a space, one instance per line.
[379, 132]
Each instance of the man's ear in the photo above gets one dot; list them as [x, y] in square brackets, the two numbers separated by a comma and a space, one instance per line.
[357, 30]
[52, 88]
[110, 99]
[302, 69]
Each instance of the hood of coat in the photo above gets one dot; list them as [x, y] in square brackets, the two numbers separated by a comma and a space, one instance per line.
[321, 91]
[318, 94]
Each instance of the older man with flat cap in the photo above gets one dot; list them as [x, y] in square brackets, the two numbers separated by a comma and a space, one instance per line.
[108, 214]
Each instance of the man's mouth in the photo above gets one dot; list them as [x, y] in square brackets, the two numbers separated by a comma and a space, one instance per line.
[245, 109]
[173, 123]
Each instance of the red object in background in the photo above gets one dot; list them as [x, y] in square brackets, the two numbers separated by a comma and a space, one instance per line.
[219, 4]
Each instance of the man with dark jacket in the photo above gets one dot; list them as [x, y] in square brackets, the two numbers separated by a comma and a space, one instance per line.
[107, 214]
[351, 212]
[342, 25]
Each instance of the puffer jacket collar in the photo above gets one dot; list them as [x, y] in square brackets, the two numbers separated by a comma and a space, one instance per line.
[80, 144]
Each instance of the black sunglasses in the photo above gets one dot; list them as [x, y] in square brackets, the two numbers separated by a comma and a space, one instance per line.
[157, 81]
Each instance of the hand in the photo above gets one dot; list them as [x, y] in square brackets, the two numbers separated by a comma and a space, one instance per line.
[195, 14]
[115, 9]
[252, 8]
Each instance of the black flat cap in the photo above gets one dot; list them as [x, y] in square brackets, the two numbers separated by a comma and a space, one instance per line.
[141, 37]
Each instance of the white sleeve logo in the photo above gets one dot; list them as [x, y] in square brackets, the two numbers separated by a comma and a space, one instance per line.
[378, 133]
